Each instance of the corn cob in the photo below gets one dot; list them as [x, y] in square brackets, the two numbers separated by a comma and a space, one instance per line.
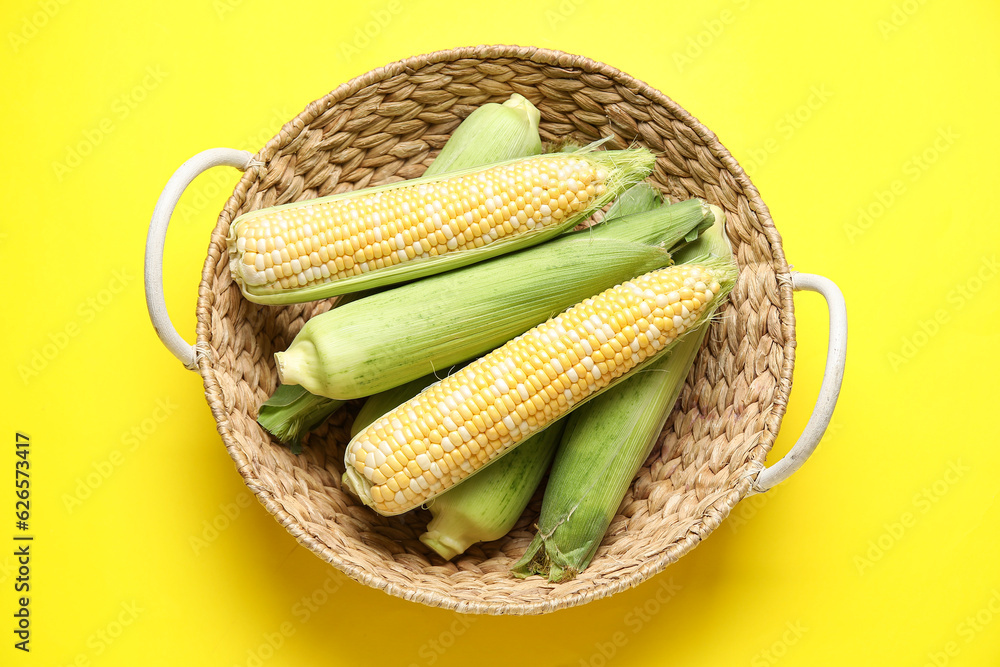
[431, 324]
[378, 404]
[393, 233]
[491, 133]
[468, 419]
[605, 444]
[487, 505]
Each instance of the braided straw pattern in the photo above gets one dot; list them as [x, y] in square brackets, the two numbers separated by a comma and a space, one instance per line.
[387, 125]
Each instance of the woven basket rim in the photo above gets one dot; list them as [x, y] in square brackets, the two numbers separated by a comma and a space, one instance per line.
[291, 130]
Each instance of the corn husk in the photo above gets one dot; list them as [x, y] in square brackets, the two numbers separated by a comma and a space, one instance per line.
[605, 444]
[491, 133]
[395, 336]
[291, 412]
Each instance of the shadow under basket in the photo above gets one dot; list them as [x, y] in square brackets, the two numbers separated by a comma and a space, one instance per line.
[388, 125]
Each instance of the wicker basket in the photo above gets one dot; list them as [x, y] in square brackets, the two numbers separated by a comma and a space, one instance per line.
[388, 125]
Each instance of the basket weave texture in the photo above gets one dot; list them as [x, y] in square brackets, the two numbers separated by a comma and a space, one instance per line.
[388, 125]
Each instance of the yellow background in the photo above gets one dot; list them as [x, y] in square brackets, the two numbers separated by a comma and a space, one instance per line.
[882, 550]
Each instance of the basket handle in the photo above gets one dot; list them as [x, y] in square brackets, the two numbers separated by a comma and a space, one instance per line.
[155, 239]
[829, 390]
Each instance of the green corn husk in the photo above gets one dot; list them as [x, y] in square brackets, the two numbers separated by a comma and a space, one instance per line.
[625, 168]
[605, 445]
[491, 133]
[291, 412]
[494, 132]
[442, 320]
[486, 506]
[640, 198]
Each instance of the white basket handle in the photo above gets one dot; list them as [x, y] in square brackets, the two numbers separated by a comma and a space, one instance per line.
[829, 390]
[153, 274]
